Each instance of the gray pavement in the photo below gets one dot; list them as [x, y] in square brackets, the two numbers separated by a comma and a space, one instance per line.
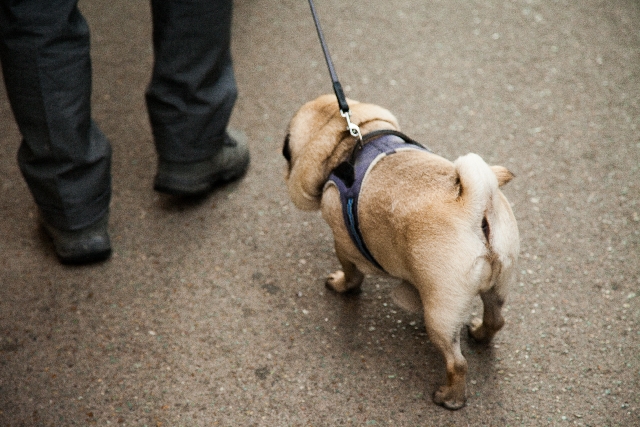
[215, 313]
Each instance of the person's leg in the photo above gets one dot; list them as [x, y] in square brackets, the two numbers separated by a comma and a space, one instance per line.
[191, 96]
[64, 157]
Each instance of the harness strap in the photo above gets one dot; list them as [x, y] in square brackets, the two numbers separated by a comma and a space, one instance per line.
[349, 176]
[382, 132]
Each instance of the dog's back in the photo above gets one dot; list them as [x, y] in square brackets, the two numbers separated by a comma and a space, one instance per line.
[447, 211]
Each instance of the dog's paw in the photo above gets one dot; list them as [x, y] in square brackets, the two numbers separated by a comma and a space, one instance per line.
[449, 398]
[337, 281]
[342, 282]
[477, 331]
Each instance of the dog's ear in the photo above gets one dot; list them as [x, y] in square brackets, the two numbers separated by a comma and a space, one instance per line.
[286, 149]
[503, 174]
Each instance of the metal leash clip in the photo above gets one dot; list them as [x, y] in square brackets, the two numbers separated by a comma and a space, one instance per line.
[353, 128]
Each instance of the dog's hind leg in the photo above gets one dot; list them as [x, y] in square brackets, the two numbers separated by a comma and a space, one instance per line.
[483, 330]
[348, 279]
[443, 320]
[501, 233]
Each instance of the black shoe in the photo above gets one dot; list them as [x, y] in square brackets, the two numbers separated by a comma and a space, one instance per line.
[199, 178]
[85, 246]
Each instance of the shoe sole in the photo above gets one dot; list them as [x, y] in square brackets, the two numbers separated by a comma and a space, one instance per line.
[173, 188]
[90, 251]
[84, 259]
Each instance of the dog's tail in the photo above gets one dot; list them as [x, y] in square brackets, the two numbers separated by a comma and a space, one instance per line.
[489, 209]
[479, 185]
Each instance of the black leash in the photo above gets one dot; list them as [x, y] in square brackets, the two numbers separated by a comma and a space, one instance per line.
[353, 129]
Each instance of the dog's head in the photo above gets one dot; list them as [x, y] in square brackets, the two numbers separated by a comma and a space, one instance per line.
[318, 140]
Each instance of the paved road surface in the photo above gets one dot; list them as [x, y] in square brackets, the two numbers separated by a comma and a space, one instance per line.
[214, 313]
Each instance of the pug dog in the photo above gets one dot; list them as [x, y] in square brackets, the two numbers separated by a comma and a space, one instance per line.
[445, 229]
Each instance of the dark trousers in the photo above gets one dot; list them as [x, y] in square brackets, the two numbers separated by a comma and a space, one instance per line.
[64, 157]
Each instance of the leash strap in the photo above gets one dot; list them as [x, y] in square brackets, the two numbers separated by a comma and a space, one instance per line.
[353, 129]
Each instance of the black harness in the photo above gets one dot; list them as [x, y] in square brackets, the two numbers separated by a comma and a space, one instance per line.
[350, 174]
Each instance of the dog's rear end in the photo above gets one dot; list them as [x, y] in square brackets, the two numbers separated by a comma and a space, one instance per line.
[477, 256]
[500, 232]
[491, 272]
[496, 228]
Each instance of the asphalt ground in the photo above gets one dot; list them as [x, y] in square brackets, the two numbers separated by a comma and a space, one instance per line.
[214, 312]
